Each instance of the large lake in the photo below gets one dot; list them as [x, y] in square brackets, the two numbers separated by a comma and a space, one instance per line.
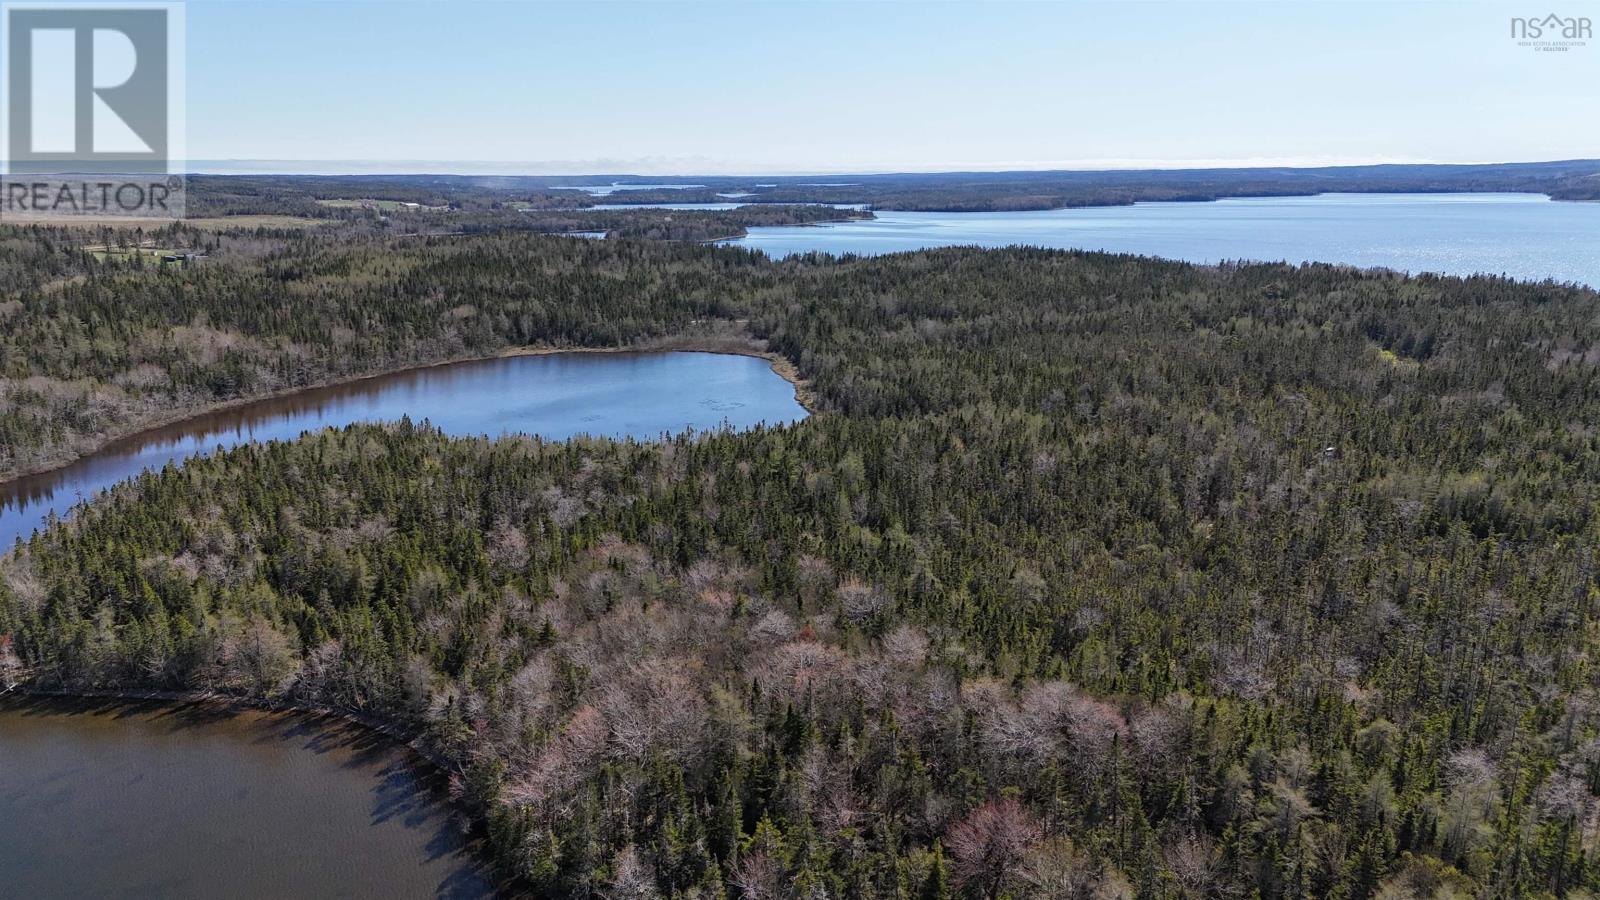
[1525, 236]
[716, 207]
[640, 395]
[121, 800]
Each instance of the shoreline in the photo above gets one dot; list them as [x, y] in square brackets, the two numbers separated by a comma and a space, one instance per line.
[746, 232]
[240, 703]
[781, 366]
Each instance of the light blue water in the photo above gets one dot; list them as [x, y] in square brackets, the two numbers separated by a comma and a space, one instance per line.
[1524, 236]
[717, 207]
[638, 395]
[606, 190]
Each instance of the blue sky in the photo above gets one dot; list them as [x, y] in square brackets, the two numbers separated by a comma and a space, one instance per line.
[709, 87]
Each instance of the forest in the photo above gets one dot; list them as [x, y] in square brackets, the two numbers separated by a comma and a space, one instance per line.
[94, 348]
[1092, 576]
[408, 205]
[931, 192]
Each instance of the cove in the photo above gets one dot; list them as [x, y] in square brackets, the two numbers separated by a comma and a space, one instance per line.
[557, 396]
[120, 799]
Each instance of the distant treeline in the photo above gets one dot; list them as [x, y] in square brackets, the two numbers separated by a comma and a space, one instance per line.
[421, 205]
[949, 192]
[990, 191]
[647, 224]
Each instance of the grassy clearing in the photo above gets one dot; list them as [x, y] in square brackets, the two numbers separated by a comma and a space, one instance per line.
[380, 205]
[101, 254]
[258, 221]
[218, 222]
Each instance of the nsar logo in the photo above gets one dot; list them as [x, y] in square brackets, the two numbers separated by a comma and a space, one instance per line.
[1552, 32]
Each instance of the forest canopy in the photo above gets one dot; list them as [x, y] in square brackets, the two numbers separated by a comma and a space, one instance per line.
[1093, 576]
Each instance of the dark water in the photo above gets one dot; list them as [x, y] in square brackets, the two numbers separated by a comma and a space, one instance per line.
[1525, 236]
[116, 800]
[641, 395]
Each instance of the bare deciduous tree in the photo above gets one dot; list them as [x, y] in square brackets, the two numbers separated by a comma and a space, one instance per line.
[10, 664]
[757, 877]
[564, 761]
[631, 877]
[1057, 869]
[860, 601]
[1470, 801]
[263, 657]
[26, 586]
[1194, 865]
[508, 547]
[989, 846]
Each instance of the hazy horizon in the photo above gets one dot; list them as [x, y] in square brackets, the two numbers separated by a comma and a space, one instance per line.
[716, 88]
[622, 168]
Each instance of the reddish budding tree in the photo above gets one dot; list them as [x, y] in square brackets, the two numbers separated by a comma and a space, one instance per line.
[989, 846]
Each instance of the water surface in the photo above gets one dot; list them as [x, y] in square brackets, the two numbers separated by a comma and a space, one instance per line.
[109, 799]
[606, 190]
[718, 207]
[1525, 236]
[639, 395]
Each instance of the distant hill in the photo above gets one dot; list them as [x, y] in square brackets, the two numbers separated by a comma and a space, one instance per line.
[942, 191]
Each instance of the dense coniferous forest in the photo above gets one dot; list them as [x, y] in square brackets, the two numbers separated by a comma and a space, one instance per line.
[1094, 576]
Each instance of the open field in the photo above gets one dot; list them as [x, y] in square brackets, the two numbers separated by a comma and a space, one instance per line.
[381, 205]
[257, 221]
[214, 222]
[151, 254]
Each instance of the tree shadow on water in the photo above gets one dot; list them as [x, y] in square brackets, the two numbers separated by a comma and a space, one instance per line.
[417, 800]
[65, 705]
[194, 714]
[470, 874]
[469, 881]
[401, 794]
[358, 747]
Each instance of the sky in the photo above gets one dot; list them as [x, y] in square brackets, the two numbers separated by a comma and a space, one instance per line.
[814, 87]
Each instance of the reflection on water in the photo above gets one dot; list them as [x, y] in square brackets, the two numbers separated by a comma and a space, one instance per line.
[1525, 236]
[640, 395]
[110, 798]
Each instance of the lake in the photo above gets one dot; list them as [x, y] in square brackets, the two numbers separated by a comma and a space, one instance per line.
[1524, 236]
[606, 190]
[716, 207]
[639, 395]
[113, 799]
